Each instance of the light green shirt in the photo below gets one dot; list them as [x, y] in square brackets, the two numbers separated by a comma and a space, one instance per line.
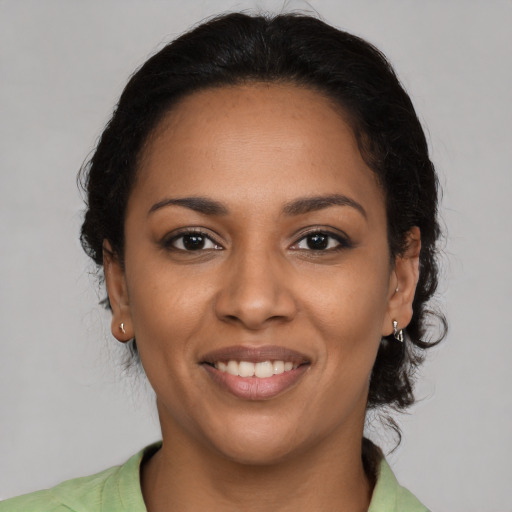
[118, 490]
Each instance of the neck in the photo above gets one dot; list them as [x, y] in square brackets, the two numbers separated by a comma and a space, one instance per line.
[189, 477]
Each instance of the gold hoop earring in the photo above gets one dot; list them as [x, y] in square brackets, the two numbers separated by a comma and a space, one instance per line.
[121, 327]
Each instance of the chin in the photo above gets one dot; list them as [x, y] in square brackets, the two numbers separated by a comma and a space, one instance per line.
[257, 445]
[259, 454]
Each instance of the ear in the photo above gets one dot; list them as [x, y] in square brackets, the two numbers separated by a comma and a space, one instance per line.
[121, 326]
[402, 284]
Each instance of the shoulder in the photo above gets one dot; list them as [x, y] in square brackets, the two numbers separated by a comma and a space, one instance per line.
[34, 502]
[112, 490]
[79, 494]
[390, 496]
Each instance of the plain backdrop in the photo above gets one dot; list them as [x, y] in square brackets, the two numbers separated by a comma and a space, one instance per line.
[67, 408]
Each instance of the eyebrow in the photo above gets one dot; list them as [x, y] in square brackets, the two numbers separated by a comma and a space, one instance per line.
[313, 204]
[198, 204]
[299, 206]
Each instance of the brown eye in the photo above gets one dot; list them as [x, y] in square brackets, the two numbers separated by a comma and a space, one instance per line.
[192, 241]
[318, 241]
[321, 241]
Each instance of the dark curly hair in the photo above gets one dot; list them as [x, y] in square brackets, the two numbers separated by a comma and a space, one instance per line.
[298, 49]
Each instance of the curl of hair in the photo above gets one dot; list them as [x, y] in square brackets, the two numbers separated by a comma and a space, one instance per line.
[301, 50]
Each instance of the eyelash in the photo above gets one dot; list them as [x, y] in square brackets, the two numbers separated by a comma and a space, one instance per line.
[169, 243]
[342, 242]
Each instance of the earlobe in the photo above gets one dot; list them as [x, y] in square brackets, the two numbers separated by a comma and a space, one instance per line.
[403, 282]
[115, 281]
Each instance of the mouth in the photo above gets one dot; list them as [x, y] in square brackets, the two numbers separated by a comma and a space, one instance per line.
[261, 370]
[255, 373]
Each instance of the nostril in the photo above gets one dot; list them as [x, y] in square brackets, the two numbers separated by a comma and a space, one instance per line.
[253, 296]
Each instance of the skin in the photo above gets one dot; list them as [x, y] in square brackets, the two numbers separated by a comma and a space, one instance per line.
[255, 149]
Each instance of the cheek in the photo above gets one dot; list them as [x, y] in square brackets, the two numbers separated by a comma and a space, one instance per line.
[348, 307]
[169, 316]
[163, 296]
[351, 298]
[169, 311]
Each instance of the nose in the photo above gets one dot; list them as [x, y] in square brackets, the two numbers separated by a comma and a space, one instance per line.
[255, 291]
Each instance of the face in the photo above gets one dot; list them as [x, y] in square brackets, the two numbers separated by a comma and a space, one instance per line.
[257, 278]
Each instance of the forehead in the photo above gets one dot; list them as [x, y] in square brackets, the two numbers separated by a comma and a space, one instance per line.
[271, 114]
[272, 140]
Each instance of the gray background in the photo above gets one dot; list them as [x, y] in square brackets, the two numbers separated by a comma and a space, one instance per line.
[66, 407]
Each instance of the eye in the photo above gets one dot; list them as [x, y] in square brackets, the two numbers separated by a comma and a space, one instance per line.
[192, 241]
[321, 241]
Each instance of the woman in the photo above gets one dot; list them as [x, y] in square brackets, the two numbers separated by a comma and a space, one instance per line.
[263, 207]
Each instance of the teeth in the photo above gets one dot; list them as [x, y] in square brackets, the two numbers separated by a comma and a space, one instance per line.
[278, 367]
[264, 369]
[232, 368]
[260, 370]
[245, 369]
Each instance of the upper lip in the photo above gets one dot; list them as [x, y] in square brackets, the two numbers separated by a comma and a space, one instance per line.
[255, 354]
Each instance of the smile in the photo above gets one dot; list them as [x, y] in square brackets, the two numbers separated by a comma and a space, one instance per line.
[256, 373]
[260, 370]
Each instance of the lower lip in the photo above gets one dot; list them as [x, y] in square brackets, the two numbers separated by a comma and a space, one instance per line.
[255, 388]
